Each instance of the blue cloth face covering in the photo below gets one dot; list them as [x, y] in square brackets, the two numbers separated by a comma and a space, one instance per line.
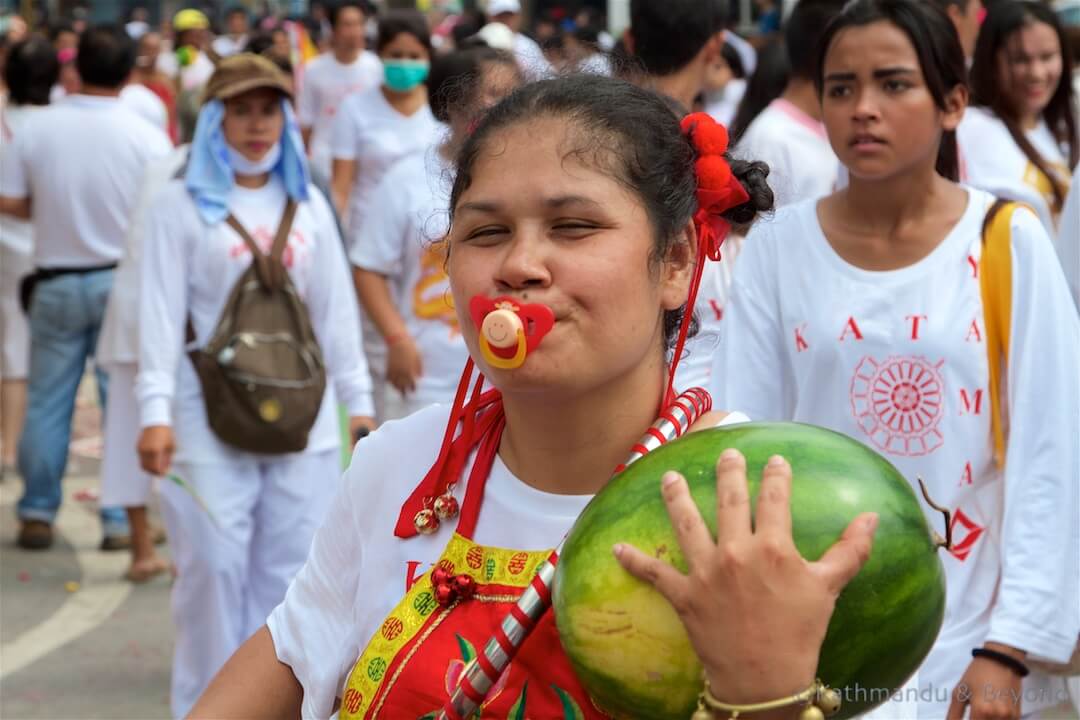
[211, 164]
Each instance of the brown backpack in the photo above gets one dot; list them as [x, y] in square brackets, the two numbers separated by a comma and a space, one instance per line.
[262, 372]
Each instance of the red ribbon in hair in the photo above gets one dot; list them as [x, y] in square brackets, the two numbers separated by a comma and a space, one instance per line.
[718, 188]
[718, 191]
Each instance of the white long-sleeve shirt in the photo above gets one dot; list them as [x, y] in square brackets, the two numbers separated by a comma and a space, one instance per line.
[991, 160]
[897, 360]
[1068, 240]
[189, 269]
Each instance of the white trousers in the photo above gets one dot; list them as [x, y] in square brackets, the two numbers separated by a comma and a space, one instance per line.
[235, 562]
[123, 482]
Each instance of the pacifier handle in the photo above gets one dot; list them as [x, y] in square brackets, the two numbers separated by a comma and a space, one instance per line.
[501, 328]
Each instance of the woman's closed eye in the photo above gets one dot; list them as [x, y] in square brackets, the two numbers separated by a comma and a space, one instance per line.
[575, 228]
[487, 234]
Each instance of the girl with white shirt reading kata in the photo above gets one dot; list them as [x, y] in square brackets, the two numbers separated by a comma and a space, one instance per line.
[330, 78]
[374, 129]
[400, 264]
[863, 312]
[1020, 139]
[239, 522]
[595, 252]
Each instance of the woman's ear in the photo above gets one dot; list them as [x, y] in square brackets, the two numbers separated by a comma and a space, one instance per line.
[678, 268]
[956, 103]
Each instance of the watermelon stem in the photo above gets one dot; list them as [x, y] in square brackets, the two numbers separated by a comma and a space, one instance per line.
[938, 541]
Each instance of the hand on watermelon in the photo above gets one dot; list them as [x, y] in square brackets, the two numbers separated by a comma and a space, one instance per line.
[755, 610]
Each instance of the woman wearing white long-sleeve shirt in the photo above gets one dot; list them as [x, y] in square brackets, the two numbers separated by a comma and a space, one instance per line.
[862, 312]
[1019, 140]
[237, 554]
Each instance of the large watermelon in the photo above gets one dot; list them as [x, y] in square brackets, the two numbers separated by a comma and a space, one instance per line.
[629, 647]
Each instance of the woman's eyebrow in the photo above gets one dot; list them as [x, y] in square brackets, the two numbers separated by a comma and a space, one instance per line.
[562, 201]
[877, 74]
[893, 71]
[478, 207]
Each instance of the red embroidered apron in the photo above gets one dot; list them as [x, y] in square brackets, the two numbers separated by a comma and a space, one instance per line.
[412, 665]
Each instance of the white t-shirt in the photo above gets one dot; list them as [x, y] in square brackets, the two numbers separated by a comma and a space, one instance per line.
[325, 86]
[14, 233]
[196, 74]
[991, 160]
[1068, 240]
[802, 164]
[897, 360]
[226, 45]
[81, 163]
[406, 214]
[358, 570]
[146, 104]
[695, 370]
[189, 270]
[724, 105]
[531, 58]
[370, 131]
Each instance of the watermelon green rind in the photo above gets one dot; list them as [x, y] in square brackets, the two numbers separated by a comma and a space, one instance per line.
[886, 619]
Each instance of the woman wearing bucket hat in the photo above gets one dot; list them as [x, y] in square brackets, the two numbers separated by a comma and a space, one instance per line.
[240, 522]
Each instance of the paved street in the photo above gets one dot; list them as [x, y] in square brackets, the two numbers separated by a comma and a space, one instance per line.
[76, 640]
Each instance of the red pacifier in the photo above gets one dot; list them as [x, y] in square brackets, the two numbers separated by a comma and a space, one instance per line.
[509, 330]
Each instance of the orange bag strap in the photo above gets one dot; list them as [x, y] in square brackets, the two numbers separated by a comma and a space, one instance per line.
[995, 286]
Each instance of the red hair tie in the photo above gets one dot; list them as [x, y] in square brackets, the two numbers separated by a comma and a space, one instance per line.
[718, 190]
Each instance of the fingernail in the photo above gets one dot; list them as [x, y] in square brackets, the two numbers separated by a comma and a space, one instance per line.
[669, 479]
[618, 549]
[871, 522]
[729, 454]
[776, 461]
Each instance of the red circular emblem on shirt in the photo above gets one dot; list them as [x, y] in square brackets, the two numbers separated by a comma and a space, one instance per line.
[392, 628]
[517, 563]
[474, 558]
[899, 403]
[352, 700]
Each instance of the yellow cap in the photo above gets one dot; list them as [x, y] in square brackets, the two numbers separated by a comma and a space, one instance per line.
[190, 19]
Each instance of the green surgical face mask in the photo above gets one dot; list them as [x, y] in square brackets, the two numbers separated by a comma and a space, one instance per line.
[404, 75]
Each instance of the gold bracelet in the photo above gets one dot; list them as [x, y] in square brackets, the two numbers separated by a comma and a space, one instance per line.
[819, 699]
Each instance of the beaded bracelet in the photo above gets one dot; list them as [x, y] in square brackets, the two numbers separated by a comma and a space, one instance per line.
[819, 699]
[1002, 659]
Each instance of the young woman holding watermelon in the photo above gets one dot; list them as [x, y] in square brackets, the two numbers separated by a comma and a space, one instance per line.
[600, 232]
[864, 312]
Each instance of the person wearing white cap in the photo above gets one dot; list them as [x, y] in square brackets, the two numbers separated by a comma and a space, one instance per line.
[529, 55]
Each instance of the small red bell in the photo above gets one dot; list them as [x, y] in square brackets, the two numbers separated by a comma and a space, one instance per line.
[464, 585]
[445, 595]
[446, 506]
[439, 576]
[426, 522]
